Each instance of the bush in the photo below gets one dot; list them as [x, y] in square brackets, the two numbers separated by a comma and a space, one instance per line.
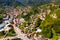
[56, 26]
[11, 33]
[57, 11]
[2, 12]
[46, 32]
[38, 22]
[2, 34]
[17, 39]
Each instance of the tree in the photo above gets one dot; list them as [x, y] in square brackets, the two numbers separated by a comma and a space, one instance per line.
[2, 12]
[17, 7]
[38, 22]
[56, 26]
[57, 11]
[46, 27]
[48, 24]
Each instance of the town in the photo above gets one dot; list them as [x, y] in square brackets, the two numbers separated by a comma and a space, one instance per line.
[30, 23]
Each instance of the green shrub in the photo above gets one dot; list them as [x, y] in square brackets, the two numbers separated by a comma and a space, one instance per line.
[11, 33]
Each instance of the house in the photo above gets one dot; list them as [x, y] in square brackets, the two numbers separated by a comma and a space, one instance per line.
[42, 15]
[16, 12]
[54, 15]
[48, 11]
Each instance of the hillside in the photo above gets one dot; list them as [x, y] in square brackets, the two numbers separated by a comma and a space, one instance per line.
[26, 2]
[22, 2]
[34, 2]
[9, 3]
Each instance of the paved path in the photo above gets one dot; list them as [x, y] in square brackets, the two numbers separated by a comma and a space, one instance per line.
[19, 35]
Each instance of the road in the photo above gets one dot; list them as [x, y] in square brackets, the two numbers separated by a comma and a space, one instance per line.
[19, 35]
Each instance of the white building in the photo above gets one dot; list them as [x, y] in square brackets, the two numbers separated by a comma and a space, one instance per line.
[54, 15]
[42, 15]
[39, 30]
[21, 20]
